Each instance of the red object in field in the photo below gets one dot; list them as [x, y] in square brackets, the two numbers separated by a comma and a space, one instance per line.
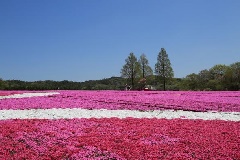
[8, 93]
[147, 89]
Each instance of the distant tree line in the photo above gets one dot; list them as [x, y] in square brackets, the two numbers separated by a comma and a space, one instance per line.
[113, 83]
[219, 77]
[138, 74]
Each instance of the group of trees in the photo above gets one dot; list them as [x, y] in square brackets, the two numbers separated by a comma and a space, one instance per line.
[138, 71]
[219, 77]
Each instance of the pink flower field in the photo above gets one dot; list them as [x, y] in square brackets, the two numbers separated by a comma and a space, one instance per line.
[120, 138]
[133, 100]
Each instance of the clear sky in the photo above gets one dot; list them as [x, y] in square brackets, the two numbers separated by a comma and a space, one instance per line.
[80, 40]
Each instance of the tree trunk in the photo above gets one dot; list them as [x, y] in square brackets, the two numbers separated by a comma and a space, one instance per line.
[164, 83]
[164, 78]
[132, 82]
[143, 71]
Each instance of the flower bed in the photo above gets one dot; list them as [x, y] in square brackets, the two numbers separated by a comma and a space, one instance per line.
[114, 138]
[133, 100]
[7, 93]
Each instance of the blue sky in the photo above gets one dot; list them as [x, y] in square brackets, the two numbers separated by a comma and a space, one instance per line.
[82, 40]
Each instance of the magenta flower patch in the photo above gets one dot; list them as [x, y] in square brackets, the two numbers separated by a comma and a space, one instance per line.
[7, 93]
[115, 138]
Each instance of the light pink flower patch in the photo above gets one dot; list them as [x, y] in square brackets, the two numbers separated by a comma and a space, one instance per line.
[134, 100]
[113, 138]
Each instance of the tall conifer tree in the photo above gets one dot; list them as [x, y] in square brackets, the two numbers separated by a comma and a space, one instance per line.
[163, 67]
[131, 68]
[146, 70]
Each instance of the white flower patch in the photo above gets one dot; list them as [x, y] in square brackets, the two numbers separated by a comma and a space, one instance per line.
[103, 113]
[26, 95]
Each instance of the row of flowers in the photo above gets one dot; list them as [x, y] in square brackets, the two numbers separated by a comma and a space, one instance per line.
[8, 93]
[112, 138]
[132, 100]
